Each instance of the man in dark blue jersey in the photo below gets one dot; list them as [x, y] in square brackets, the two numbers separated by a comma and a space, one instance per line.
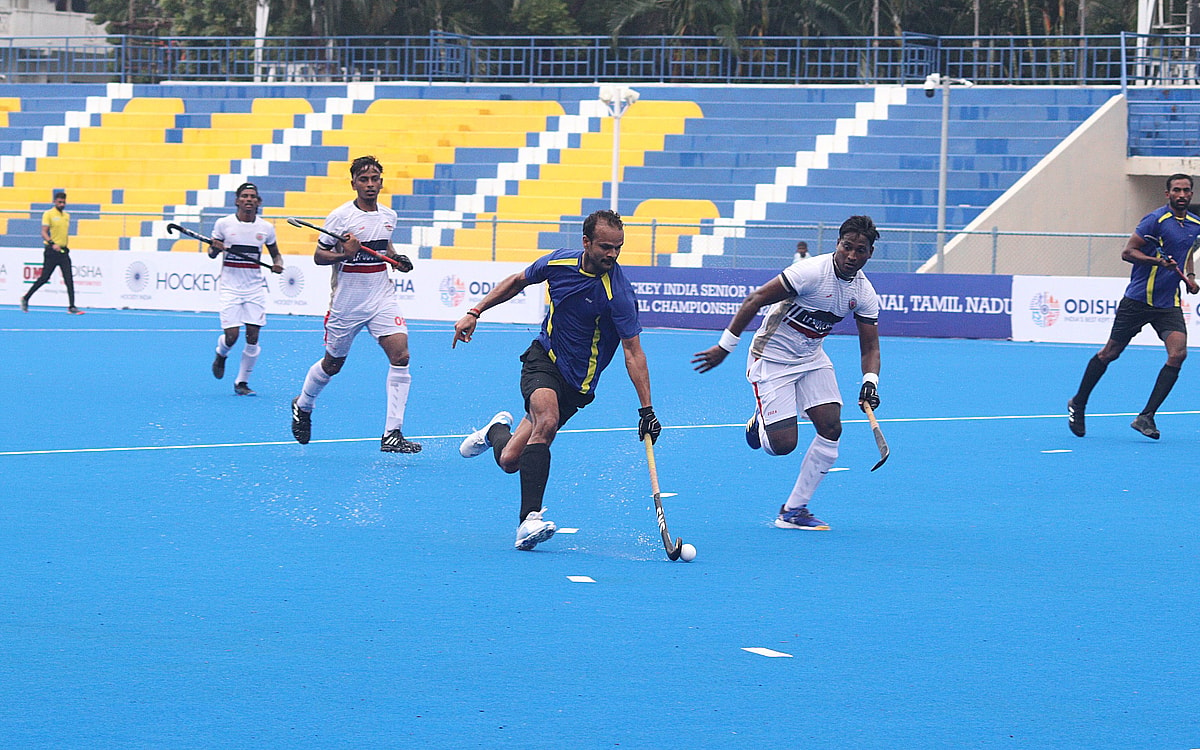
[592, 309]
[1158, 247]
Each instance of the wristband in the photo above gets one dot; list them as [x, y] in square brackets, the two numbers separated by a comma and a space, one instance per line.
[871, 377]
[728, 341]
[1191, 275]
[474, 312]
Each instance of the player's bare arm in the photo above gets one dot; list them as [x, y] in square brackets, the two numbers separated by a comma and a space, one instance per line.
[868, 347]
[639, 375]
[504, 291]
[638, 369]
[767, 294]
[215, 248]
[276, 259]
[1134, 253]
[340, 253]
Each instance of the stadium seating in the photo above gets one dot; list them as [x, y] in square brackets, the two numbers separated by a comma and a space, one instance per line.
[722, 175]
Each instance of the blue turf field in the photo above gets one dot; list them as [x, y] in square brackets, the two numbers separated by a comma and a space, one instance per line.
[176, 572]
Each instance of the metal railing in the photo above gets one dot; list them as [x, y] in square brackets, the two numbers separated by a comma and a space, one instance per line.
[1121, 59]
[767, 246]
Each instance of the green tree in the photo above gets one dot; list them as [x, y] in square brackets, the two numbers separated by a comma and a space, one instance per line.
[542, 18]
[719, 18]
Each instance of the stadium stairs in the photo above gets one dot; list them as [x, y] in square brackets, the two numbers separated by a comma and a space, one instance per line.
[712, 168]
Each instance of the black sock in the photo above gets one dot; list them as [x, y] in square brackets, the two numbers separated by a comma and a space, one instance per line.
[1091, 376]
[535, 472]
[498, 436]
[1162, 386]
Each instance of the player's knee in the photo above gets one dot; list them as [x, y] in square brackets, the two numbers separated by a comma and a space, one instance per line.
[779, 445]
[509, 461]
[831, 432]
[332, 365]
[400, 360]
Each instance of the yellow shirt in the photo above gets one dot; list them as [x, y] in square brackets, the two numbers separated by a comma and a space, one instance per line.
[59, 223]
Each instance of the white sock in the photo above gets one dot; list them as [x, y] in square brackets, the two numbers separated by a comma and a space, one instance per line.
[314, 382]
[222, 347]
[818, 460]
[763, 439]
[398, 381]
[249, 357]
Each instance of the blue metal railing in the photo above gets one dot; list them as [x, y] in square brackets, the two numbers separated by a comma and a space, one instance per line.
[1123, 59]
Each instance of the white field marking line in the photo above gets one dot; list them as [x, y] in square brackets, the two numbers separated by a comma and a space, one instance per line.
[1060, 450]
[567, 530]
[581, 579]
[576, 431]
[766, 652]
[668, 494]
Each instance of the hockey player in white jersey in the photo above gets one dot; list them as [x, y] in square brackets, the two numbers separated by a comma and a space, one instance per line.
[363, 296]
[241, 236]
[787, 364]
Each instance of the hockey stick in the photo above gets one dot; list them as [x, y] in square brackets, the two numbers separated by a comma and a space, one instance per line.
[879, 441]
[673, 551]
[208, 241]
[402, 262]
[189, 233]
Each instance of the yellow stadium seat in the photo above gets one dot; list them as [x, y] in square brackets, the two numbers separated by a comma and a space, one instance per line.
[580, 173]
[642, 242]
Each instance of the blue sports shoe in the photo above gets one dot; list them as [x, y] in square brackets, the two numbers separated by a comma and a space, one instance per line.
[752, 438]
[534, 530]
[799, 518]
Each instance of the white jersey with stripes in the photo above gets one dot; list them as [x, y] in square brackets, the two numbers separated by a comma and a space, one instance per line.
[242, 279]
[793, 330]
[361, 285]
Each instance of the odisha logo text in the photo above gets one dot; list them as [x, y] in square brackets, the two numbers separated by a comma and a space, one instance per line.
[137, 276]
[1044, 309]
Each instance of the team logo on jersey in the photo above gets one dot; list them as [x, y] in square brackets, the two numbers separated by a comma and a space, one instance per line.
[452, 291]
[853, 303]
[137, 275]
[1044, 309]
[261, 237]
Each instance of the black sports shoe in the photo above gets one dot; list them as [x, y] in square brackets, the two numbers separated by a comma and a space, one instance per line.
[1075, 418]
[394, 442]
[1145, 425]
[242, 389]
[219, 367]
[24, 305]
[301, 423]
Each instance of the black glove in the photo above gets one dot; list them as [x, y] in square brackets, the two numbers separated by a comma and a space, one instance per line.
[405, 264]
[648, 424]
[868, 395]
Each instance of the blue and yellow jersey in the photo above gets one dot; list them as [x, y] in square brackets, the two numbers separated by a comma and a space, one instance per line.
[1164, 235]
[587, 318]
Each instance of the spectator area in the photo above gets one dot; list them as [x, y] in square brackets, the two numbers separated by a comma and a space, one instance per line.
[715, 167]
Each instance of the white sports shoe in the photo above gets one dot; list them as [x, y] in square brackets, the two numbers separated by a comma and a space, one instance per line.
[533, 530]
[477, 441]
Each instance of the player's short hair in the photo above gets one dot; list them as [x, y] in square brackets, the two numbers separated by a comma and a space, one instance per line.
[863, 225]
[1179, 176]
[60, 194]
[611, 218]
[245, 185]
[362, 163]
